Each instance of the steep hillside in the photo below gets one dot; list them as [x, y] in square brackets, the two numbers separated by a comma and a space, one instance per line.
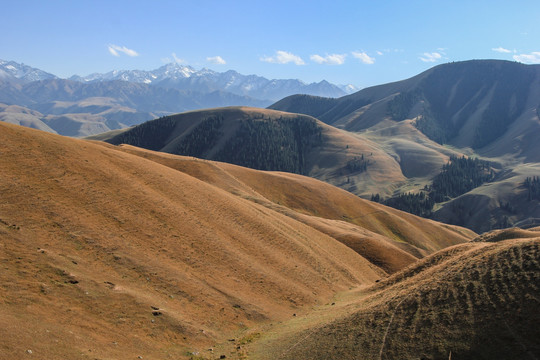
[459, 103]
[271, 140]
[471, 301]
[481, 108]
[114, 252]
[497, 204]
[488, 105]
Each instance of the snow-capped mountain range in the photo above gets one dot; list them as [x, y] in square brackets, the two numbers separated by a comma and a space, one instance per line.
[81, 106]
[185, 77]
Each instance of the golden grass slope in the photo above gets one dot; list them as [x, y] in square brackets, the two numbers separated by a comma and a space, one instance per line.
[472, 301]
[331, 210]
[107, 254]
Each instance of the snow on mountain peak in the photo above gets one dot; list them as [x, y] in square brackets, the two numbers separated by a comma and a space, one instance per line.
[23, 72]
[185, 77]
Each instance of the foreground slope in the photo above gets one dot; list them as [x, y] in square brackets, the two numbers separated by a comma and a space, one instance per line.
[472, 301]
[111, 254]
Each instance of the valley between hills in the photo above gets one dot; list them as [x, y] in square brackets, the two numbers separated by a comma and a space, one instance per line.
[248, 233]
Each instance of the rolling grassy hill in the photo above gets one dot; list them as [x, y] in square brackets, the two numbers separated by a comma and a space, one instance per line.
[118, 252]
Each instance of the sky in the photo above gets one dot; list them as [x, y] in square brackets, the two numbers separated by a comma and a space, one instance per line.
[363, 43]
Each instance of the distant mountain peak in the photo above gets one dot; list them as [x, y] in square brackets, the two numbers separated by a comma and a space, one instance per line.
[173, 70]
[12, 70]
[349, 88]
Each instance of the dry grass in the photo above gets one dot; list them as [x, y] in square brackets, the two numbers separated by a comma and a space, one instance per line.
[375, 231]
[473, 301]
[94, 238]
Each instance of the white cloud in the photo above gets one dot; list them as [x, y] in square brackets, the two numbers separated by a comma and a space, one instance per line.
[115, 50]
[363, 57]
[532, 58]
[177, 59]
[430, 57]
[501, 50]
[283, 57]
[216, 60]
[332, 59]
[379, 53]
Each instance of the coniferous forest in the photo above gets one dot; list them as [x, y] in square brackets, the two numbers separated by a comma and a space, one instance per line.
[202, 138]
[150, 135]
[458, 176]
[533, 188]
[279, 145]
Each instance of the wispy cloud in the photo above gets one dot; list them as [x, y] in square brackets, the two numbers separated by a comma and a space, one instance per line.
[363, 57]
[216, 60]
[379, 53]
[332, 59]
[115, 50]
[532, 58]
[500, 49]
[283, 57]
[431, 57]
[177, 59]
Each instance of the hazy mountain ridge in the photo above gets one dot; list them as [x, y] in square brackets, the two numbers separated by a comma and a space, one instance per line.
[447, 96]
[393, 145]
[184, 77]
[132, 96]
[107, 105]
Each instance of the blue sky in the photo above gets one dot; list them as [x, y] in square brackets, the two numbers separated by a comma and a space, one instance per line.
[363, 43]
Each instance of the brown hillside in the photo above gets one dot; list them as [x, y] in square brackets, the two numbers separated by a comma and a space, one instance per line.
[106, 254]
[471, 301]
